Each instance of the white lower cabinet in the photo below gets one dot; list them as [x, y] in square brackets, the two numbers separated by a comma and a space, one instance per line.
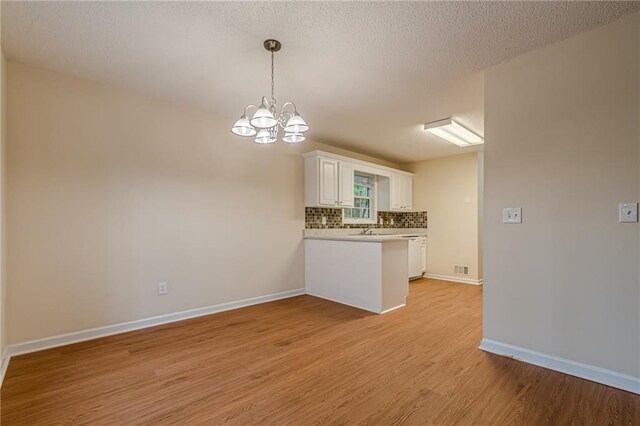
[380, 287]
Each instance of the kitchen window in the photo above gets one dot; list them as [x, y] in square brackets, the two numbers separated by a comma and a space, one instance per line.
[364, 201]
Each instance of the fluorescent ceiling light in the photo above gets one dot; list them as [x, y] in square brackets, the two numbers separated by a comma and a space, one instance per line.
[453, 132]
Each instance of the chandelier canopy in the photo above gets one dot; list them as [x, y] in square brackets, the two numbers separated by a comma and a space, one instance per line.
[266, 120]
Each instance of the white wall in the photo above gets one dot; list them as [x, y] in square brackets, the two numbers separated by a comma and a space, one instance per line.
[442, 187]
[563, 143]
[109, 193]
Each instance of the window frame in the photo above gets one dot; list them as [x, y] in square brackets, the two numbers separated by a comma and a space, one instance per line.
[373, 208]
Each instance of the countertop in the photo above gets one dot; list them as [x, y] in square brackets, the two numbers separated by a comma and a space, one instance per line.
[353, 234]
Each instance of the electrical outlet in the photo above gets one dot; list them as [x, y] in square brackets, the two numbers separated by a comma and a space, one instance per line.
[391, 221]
[162, 288]
[381, 221]
[628, 213]
[324, 220]
[512, 215]
[460, 269]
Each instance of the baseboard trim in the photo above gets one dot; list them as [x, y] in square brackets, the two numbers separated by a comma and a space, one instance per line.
[573, 368]
[454, 279]
[394, 308]
[4, 365]
[95, 333]
[342, 303]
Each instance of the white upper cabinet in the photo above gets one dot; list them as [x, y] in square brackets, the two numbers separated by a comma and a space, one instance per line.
[346, 181]
[400, 187]
[408, 192]
[396, 192]
[329, 182]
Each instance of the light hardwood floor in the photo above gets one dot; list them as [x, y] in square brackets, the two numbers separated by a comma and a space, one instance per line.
[306, 361]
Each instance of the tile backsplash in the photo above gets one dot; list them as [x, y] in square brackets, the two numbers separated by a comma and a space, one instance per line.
[313, 219]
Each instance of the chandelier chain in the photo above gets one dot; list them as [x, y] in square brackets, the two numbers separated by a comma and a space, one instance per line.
[272, 72]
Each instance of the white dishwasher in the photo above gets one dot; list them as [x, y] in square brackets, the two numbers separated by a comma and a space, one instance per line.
[417, 245]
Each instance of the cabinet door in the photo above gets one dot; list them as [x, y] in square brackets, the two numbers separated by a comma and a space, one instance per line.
[397, 192]
[401, 192]
[408, 193]
[328, 182]
[346, 181]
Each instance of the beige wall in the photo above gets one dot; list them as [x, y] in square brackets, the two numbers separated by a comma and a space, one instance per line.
[562, 142]
[109, 193]
[480, 175]
[441, 187]
[3, 132]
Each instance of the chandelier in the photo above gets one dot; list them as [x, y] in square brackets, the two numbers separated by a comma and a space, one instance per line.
[266, 120]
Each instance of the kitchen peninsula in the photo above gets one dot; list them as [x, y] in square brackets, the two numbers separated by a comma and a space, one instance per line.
[365, 271]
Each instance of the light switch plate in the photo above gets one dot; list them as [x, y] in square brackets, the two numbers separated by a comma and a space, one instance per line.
[628, 213]
[512, 215]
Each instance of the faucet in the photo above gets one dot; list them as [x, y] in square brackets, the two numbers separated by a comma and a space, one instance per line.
[367, 230]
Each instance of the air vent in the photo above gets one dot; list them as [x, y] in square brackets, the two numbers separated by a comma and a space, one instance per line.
[460, 270]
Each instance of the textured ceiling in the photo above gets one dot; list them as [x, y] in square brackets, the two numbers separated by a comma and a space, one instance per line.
[365, 75]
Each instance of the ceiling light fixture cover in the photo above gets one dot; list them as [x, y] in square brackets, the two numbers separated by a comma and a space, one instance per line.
[265, 136]
[453, 132]
[266, 120]
[293, 137]
[243, 127]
